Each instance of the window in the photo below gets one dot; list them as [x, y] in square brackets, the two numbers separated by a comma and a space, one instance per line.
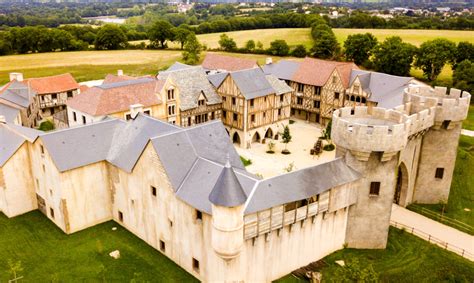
[264, 114]
[336, 95]
[299, 100]
[374, 188]
[279, 112]
[54, 96]
[198, 215]
[42, 149]
[364, 100]
[439, 173]
[233, 101]
[171, 110]
[171, 223]
[162, 246]
[44, 168]
[352, 98]
[224, 114]
[74, 116]
[147, 112]
[235, 117]
[120, 215]
[189, 121]
[251, 102]
[83, 119]
[69, 94]
[318, 90]
[282, 97]
[316, 103]
[153, 191]
[224, 98]
[171, 94]
[201, 102]
[445, 124]
[300, 87]
[128, 117]
[252, 118]
[51, 212]
[334, 79]
[196, 265]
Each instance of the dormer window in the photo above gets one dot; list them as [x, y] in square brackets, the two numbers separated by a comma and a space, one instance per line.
[334, 79]
[171, 94]
[201, 102]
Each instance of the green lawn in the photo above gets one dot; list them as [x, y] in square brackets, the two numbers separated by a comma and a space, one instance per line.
[469, 122]
[406, 259]
[47, 254]
[461, 196]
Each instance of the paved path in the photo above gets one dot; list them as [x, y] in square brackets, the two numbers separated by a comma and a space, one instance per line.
[467, 133]
[436, 229]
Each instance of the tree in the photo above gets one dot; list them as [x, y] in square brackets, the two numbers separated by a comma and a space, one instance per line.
[393, 56]
[181, 35]
[192, 50]
[325, 43]
[463, 76]
[299, 51]
[226, 43]
[259, 45]
[286, 137]
[358, 47]
[279, 47]
[250, 45]
[160, 32]
[110, 37]
[433, 55]
[464, 51]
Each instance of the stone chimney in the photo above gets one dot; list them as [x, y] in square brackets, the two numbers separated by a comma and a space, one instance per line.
[16, 76]
[135, 109]
[268, 61]
[2, 119]
[119, 73]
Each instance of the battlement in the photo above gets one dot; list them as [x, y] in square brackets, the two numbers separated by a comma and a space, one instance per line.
[450, 106]
[363, 130]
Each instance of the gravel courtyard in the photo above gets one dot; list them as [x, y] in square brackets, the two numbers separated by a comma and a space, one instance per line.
[304, 136]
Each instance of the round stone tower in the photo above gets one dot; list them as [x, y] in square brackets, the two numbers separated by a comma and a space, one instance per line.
[439, 145]
[369, 139]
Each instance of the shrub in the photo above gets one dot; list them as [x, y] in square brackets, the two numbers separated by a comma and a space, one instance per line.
[329, 147]
[271, 147]
[245, 161]
[46, 126]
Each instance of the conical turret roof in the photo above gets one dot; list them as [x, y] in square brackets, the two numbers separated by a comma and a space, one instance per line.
[227, 191]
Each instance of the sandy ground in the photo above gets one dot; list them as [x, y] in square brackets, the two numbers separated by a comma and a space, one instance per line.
[304, 136]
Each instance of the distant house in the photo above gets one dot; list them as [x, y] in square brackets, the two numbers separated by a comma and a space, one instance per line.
[220, 63]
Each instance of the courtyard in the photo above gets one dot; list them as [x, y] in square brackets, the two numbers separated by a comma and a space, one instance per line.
[304, 136]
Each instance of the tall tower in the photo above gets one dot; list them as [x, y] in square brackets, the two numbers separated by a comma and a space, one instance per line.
[228, 199]
[440, 143]
[370, 139]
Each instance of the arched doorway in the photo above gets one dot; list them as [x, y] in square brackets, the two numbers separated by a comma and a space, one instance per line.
[256, 137]
[269, 134]
[402, 185]
[236, 138]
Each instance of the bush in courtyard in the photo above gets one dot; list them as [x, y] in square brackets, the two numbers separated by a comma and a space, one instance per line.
[271, 147]
[286, 137]
[245, 161]
[46, 126]
[329, 147]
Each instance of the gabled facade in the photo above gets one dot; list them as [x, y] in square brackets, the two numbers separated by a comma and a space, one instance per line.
[20, 96]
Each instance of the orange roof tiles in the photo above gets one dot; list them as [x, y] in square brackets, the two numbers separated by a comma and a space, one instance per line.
[53, 84]
[221, 62]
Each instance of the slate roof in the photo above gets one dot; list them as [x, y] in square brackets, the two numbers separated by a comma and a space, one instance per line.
[283, 69]
[12, 137]
[386, 90]
[214, 61]
[227, 191]
[217, 79]
[53, 84]
[252, 83]
[10, 113]
[300, 184]
[178, 66]
[317, 72]
[191, 82]
[116, 97]
[17, 93]
[278, 85]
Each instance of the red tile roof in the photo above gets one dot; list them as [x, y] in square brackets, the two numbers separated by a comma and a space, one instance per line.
[53, 84]
[317, 72]
[99, 101]
[221, 62]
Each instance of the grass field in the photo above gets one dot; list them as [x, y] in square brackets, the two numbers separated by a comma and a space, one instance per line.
[406, 259]
[49, 255]
[469, 122]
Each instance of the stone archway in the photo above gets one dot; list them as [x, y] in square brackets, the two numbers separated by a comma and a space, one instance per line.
[236, 138]
[256, 137]
[269, 134]
[401, 188]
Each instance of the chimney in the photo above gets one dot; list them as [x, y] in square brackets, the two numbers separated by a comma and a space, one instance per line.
[2, 119]
[16, 76]
[119, 73]
[135, 109]
[268, 61]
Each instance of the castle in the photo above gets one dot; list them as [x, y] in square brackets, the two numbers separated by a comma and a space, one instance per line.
[185, 191]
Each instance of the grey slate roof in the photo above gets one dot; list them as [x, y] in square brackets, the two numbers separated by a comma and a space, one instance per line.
[300, 184]
[18, 93]
[252, 83]
[283, 69]
[125, 83]
[12, 137]
[278, 85]
[227, 191]
[192, 82]
[217, 79]
[386, 90]
[178, 66]
[10, 113]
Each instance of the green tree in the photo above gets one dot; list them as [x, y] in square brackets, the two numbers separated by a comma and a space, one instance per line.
[259, 45]
[325, 43]
[433, 55]
[299, 51]
[250, 45]
[358, 47]
[286, 137]
[192, 50]
[464, 51]
[393, 56]
[160, 32]
[226, 43]
[181, 35]
[279, 47]
[110, 37]
[46, 126]
[463, 76]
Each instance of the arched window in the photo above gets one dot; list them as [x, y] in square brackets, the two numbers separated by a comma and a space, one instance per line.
[364, 100]
[358, 99]
[352, 98]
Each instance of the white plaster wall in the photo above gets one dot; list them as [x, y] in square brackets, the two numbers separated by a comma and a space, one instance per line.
[79, 114]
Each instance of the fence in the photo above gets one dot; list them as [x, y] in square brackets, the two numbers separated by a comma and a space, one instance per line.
[443, 219]
[431, 239]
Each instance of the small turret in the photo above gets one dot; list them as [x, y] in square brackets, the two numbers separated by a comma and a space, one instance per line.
[228, 199]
